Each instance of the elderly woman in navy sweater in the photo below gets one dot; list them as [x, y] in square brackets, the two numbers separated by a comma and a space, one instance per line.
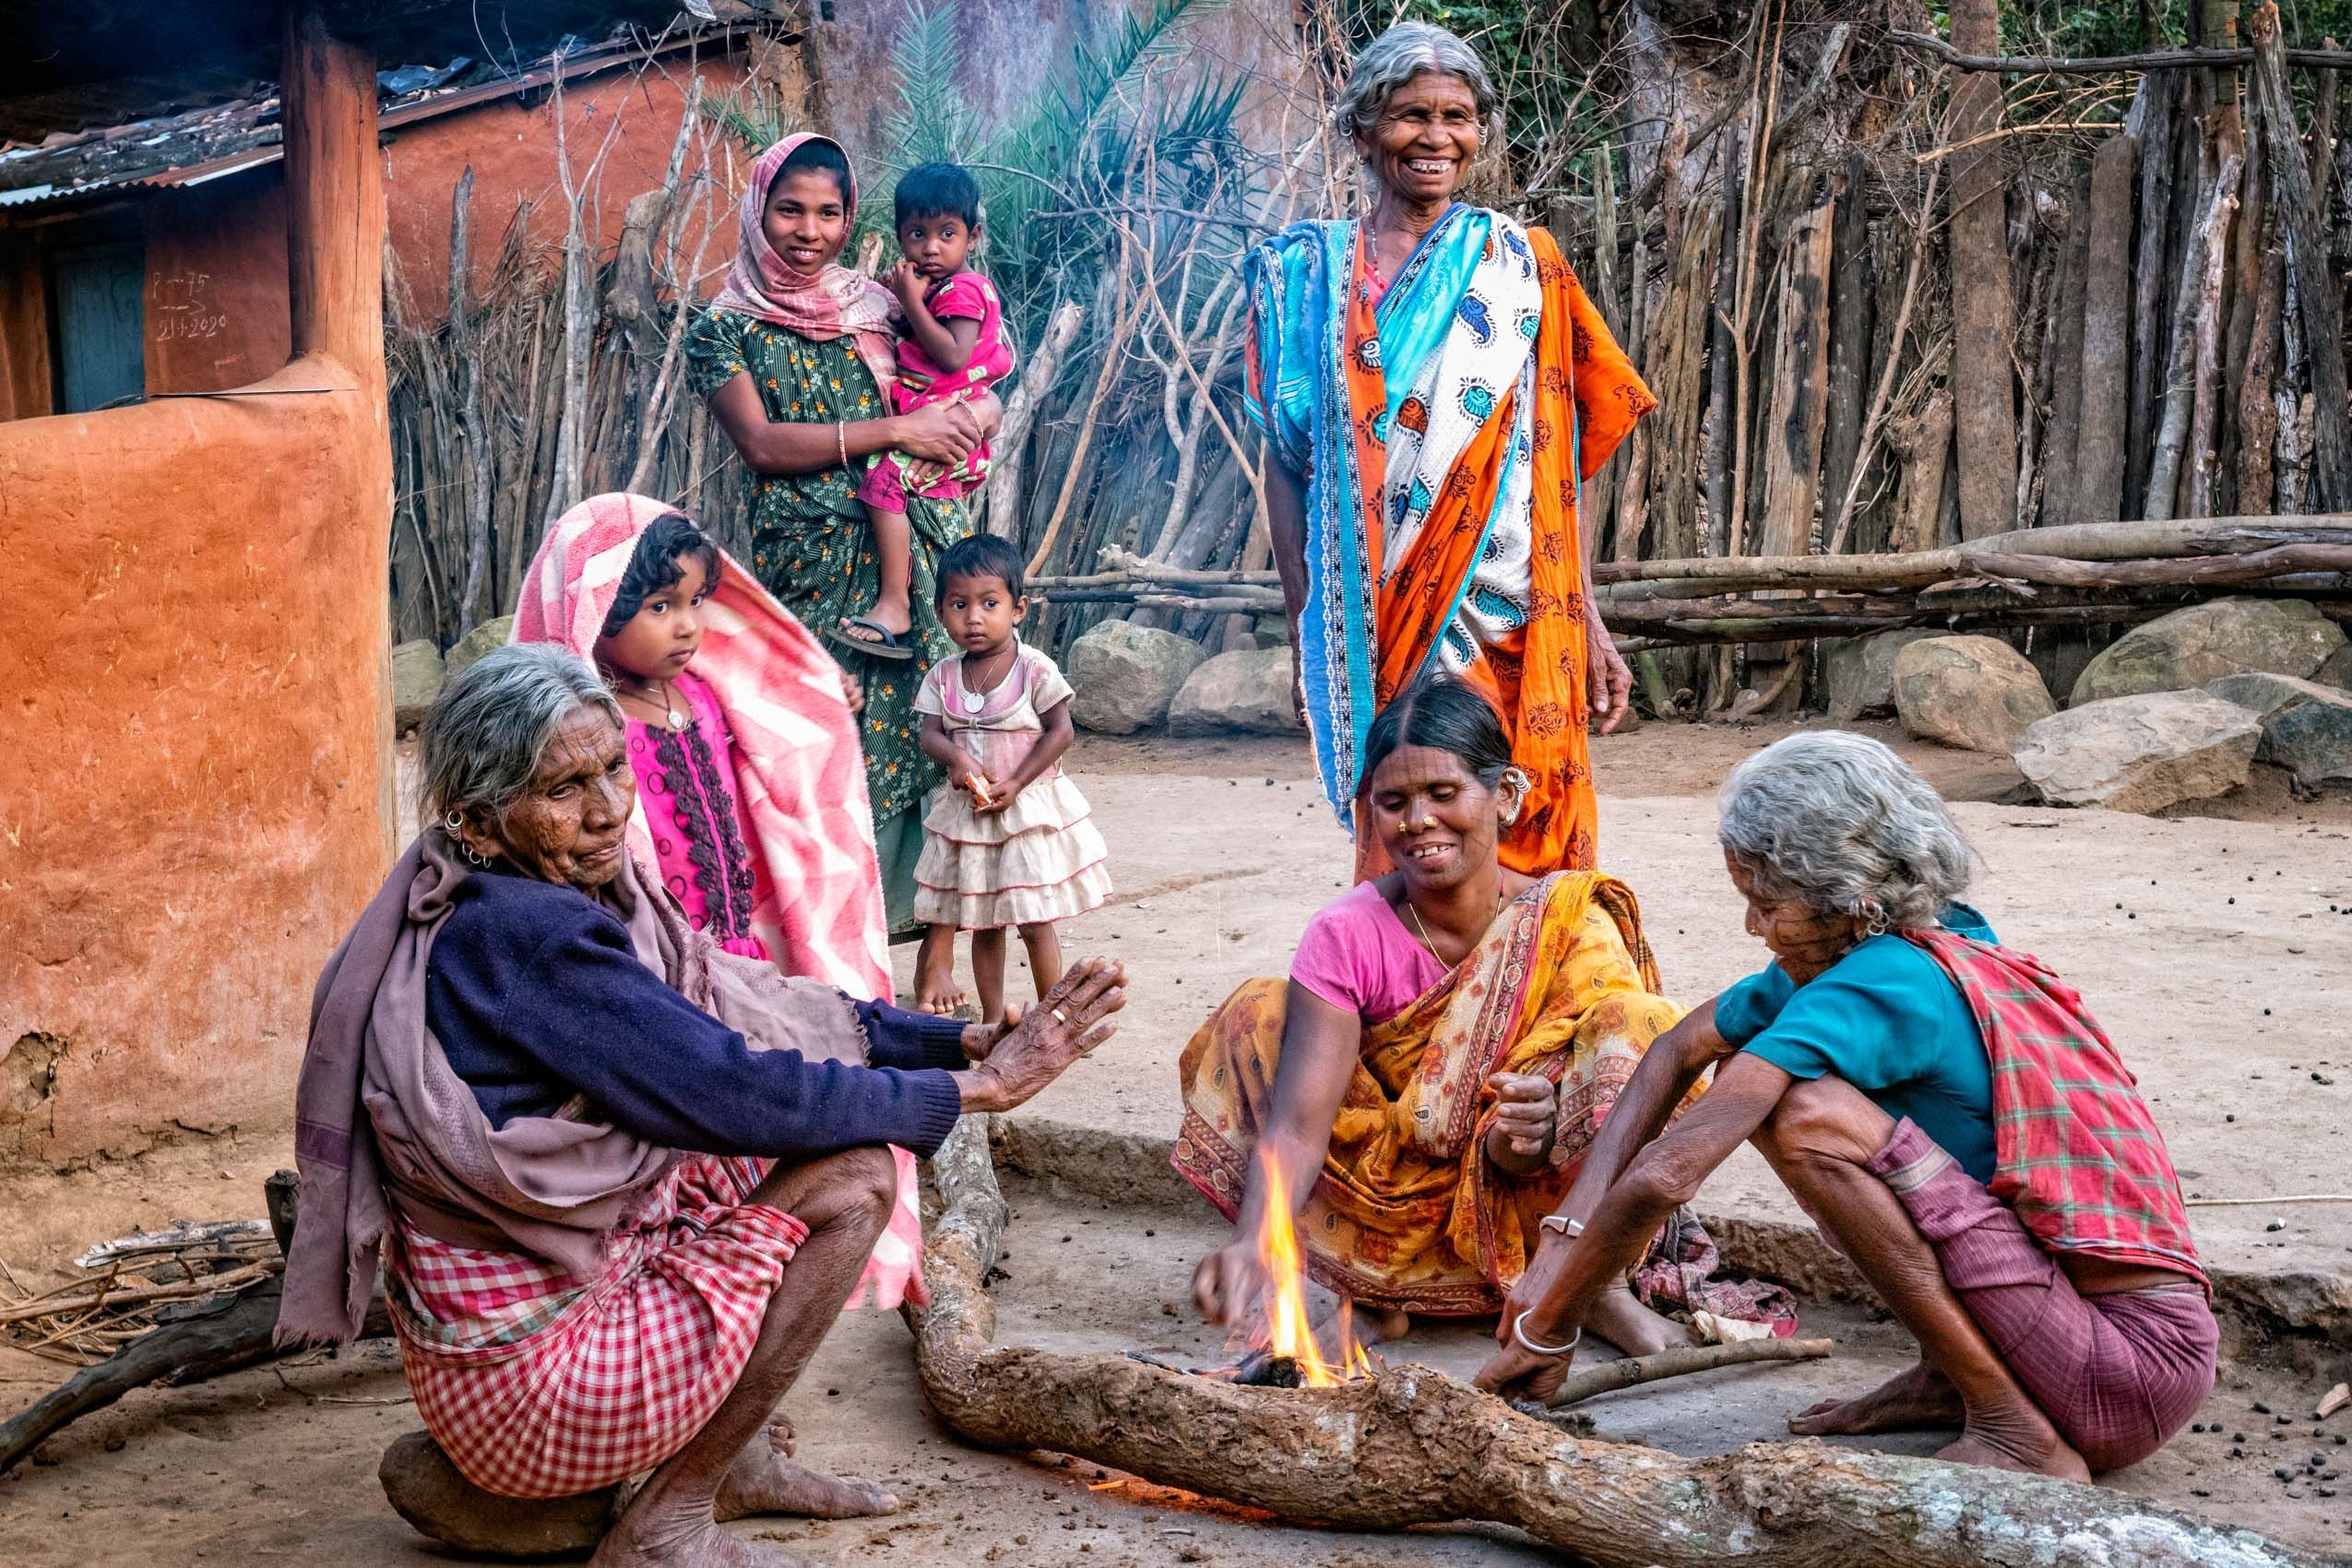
[557, 1105]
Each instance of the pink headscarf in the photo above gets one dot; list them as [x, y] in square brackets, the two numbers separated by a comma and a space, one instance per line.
[816, 897]
[820, 306]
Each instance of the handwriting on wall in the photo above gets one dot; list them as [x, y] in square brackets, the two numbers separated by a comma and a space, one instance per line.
[182, 313]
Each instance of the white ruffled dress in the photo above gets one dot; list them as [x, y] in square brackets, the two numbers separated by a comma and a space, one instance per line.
[1041, 858]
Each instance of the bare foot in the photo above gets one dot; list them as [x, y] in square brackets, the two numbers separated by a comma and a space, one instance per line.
[763, 1480]
[1616, 1317]
[935, 988]
[1919, 1397]
[2035, 1453]
[703, 1545]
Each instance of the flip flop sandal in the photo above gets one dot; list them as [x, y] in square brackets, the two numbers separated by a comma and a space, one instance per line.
[890, 646]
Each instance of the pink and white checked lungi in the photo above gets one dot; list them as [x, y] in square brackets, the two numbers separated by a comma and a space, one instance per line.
[539, 1386]
[2118, 1373]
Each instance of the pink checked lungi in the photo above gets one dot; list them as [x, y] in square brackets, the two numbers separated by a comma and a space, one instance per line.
[2117, 1374]
[539, 1386]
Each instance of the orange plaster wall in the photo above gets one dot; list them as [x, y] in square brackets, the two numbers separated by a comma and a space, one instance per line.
[512, 150]
[216, 282]
[190, 799]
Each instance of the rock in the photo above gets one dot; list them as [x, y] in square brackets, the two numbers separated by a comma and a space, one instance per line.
[1126, 675]
[1975, 693]
[2337, 670]
[427, 1491]
[2201, 644]
[2140, 754]
[495, 633]
[2306, 728]
[416, 681]
[1859, 673]
[1249, 691]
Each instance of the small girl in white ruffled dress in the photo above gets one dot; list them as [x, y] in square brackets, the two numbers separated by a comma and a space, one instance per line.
[1008, 841]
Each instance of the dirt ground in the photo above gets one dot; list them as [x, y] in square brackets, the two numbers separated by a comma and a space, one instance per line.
[2215, 945]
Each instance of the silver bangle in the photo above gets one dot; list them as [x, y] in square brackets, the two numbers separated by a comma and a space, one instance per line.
[1519, 1333]
[1561, 1224]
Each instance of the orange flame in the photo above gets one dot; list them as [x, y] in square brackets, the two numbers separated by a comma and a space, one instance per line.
[1289, 1331]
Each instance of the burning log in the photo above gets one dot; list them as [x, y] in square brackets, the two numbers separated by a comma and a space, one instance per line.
[1414, 1446]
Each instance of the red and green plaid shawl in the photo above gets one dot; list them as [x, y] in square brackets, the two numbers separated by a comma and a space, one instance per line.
[2076, 1152]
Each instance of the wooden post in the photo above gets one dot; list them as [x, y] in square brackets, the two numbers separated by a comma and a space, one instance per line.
[2158, 102]
[1983, 316]
[1850, 302]
[333, 201]
[2069, 286]
[2305, 243]
[2107, 330]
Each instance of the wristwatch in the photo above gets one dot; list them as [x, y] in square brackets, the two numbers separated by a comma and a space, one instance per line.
[1572, 1229]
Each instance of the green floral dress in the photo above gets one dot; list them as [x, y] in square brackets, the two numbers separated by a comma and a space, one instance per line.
[812, 550]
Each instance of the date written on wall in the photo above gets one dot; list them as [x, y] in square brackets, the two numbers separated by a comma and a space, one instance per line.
[182, 313]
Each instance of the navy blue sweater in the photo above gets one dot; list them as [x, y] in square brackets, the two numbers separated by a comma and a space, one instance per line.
[536, 994]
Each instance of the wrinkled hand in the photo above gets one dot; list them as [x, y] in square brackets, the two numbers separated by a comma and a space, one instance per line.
[1228, 1283]
[979, 1040]
[853, 692]
[1067, 1023]
[1527, 1111]
[1609, 686]
[1297, 679]
[1513, 1373]
[939, 432]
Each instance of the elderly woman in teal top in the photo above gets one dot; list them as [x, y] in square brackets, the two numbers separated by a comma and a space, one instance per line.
[1947, 1109]
[794, 357]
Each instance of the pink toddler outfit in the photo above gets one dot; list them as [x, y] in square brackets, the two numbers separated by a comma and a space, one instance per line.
[688, 782]
[1040, 859]
[966, 296]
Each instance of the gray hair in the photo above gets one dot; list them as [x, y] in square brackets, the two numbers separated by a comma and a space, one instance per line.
[481, 741]
[1838, 822]
[1397, 56]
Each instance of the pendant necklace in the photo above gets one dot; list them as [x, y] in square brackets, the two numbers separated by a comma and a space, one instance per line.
[669, 705]
[974, 699]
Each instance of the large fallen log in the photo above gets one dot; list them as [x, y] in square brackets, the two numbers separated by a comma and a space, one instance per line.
[1917, 568]
[1414, 1446]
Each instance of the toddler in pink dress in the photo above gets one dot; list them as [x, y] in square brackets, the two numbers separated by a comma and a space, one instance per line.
[952, 348]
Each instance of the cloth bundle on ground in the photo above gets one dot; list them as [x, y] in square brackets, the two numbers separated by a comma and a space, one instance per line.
[568, 1219]
[1408, 1212]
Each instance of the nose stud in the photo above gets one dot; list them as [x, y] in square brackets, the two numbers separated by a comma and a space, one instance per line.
[1429, 822]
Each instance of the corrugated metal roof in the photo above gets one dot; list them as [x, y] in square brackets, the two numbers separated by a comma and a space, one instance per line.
[191, 149]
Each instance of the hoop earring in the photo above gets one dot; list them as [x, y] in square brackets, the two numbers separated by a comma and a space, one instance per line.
[1876, 924]
[451, 822]
[1513, 776]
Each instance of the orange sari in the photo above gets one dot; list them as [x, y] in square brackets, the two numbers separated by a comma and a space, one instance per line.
[1443, 512]
[1407, 1211]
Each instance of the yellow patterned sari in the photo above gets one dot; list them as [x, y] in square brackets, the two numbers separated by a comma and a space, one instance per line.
[1406, 1212]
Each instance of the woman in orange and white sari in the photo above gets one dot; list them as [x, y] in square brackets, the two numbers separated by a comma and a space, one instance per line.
[1421, 1091]
[1433, 386]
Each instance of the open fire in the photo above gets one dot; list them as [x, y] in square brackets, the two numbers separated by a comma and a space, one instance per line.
[1285, 1332]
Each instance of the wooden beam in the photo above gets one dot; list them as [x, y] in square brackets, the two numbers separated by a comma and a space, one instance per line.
[2103, 65]
[334, 199]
